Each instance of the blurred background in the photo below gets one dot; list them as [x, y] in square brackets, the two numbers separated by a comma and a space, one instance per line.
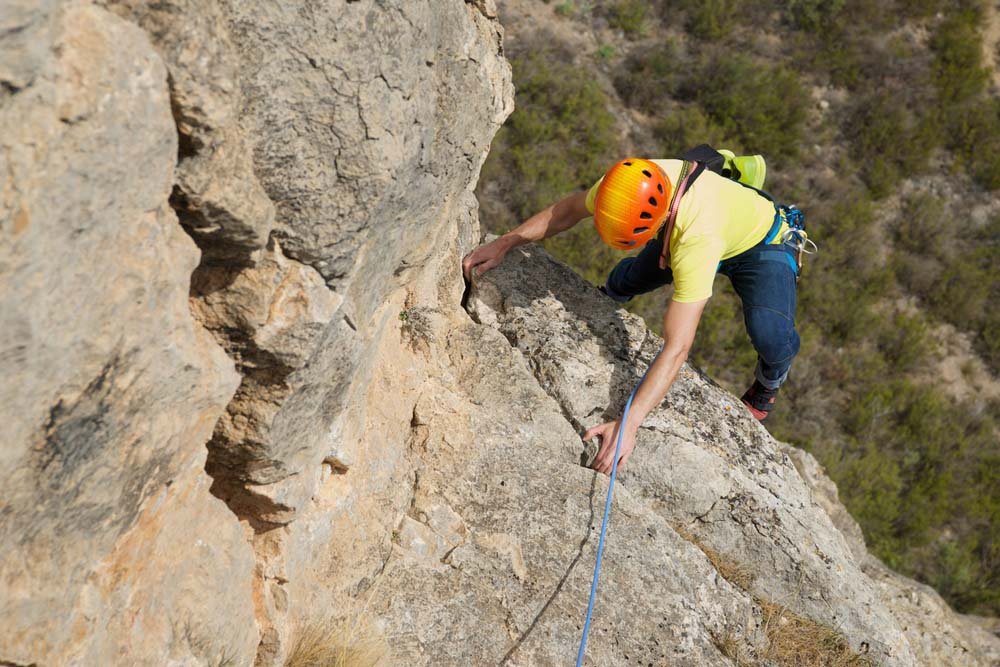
[882, 121]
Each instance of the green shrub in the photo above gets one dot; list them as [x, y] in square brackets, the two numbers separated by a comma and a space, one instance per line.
[905, 342]
[560, 138]
[956, 45]
[848, 277]
[762, 106]
[913, 474]
[629, 16]
[918, 9]
[814, 15]
[711, 19]
[873, 485]
[685, 127]
[962, 294]
[975, 135]
[989, 340]
[605, 52]
[953, 275]
[970, 114]
[825, 16]
[918, 228]
[648, 78]
[888, 139]
[566, 8]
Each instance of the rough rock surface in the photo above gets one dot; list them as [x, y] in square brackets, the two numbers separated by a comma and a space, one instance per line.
[243, 402]
[110, 389]
[319, 155]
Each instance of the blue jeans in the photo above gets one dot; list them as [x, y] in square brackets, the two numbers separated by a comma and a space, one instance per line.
[764, 279]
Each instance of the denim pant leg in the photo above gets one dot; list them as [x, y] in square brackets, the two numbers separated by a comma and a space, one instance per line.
[638, 275]
[764, 279]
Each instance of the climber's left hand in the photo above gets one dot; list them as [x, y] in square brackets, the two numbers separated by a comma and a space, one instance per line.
[608, 433]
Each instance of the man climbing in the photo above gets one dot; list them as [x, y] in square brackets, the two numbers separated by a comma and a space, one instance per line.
[712, 224]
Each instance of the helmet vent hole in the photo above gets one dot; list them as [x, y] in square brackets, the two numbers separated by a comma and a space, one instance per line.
[628, 164]
[652, 201]
[659, 186]
[640, 230]
[646, 215]
[647, 173]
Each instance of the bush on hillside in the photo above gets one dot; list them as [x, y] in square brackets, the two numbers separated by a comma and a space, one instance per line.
[848, 278]
[970, 114]
[762, 106]
[954, 275]
[975, 136]
[649, 78]
[958, 71]
[918, 228]
[814, 15]
[711, 19]
[629, 16]
[888, 140]
[688, 126]
[560, 138]
[926, 451]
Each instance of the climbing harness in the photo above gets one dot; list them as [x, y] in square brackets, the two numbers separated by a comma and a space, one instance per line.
[604, 523]
[796, 236]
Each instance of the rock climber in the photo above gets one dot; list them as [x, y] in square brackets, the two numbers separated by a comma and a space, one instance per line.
[715, 224]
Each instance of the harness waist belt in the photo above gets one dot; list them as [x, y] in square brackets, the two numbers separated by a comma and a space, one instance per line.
[775, 226]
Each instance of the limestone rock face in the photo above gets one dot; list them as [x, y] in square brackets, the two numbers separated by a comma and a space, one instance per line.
[110, 388]
[244, 405]
[322, 158]
[494, 555]
[714, 525]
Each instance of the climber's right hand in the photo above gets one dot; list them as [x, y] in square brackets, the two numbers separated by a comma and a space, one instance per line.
[484, 258]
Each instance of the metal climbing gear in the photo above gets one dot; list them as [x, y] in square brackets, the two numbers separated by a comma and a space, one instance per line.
[796, 236]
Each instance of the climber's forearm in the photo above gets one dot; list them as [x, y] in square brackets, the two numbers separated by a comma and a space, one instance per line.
[679, 326]
[549, 221]
[654, 388]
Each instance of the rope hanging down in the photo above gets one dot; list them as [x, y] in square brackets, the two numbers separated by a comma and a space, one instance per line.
[604, 524]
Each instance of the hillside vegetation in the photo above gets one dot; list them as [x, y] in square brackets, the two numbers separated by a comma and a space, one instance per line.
[882, 121]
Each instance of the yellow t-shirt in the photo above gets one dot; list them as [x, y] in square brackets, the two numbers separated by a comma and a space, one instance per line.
[718, 218]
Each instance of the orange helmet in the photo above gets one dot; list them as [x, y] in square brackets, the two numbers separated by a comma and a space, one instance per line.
[631, 203]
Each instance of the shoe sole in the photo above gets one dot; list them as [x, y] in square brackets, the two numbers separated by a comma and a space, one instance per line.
[759, 415]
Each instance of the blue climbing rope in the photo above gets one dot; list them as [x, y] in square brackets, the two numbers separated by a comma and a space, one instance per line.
[604, 525]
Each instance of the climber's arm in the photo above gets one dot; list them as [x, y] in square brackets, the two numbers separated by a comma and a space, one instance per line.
[679, 326]
[549, 221]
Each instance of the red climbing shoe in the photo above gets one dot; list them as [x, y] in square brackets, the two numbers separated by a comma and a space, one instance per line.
[759, 400]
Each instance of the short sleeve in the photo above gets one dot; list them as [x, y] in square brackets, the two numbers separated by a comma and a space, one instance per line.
[694, 263]
[592, 196]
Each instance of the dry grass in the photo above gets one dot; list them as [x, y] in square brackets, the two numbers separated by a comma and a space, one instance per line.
[738, 574]
[333, 643]
[733, 648]
[798, 641]
[793, 641]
